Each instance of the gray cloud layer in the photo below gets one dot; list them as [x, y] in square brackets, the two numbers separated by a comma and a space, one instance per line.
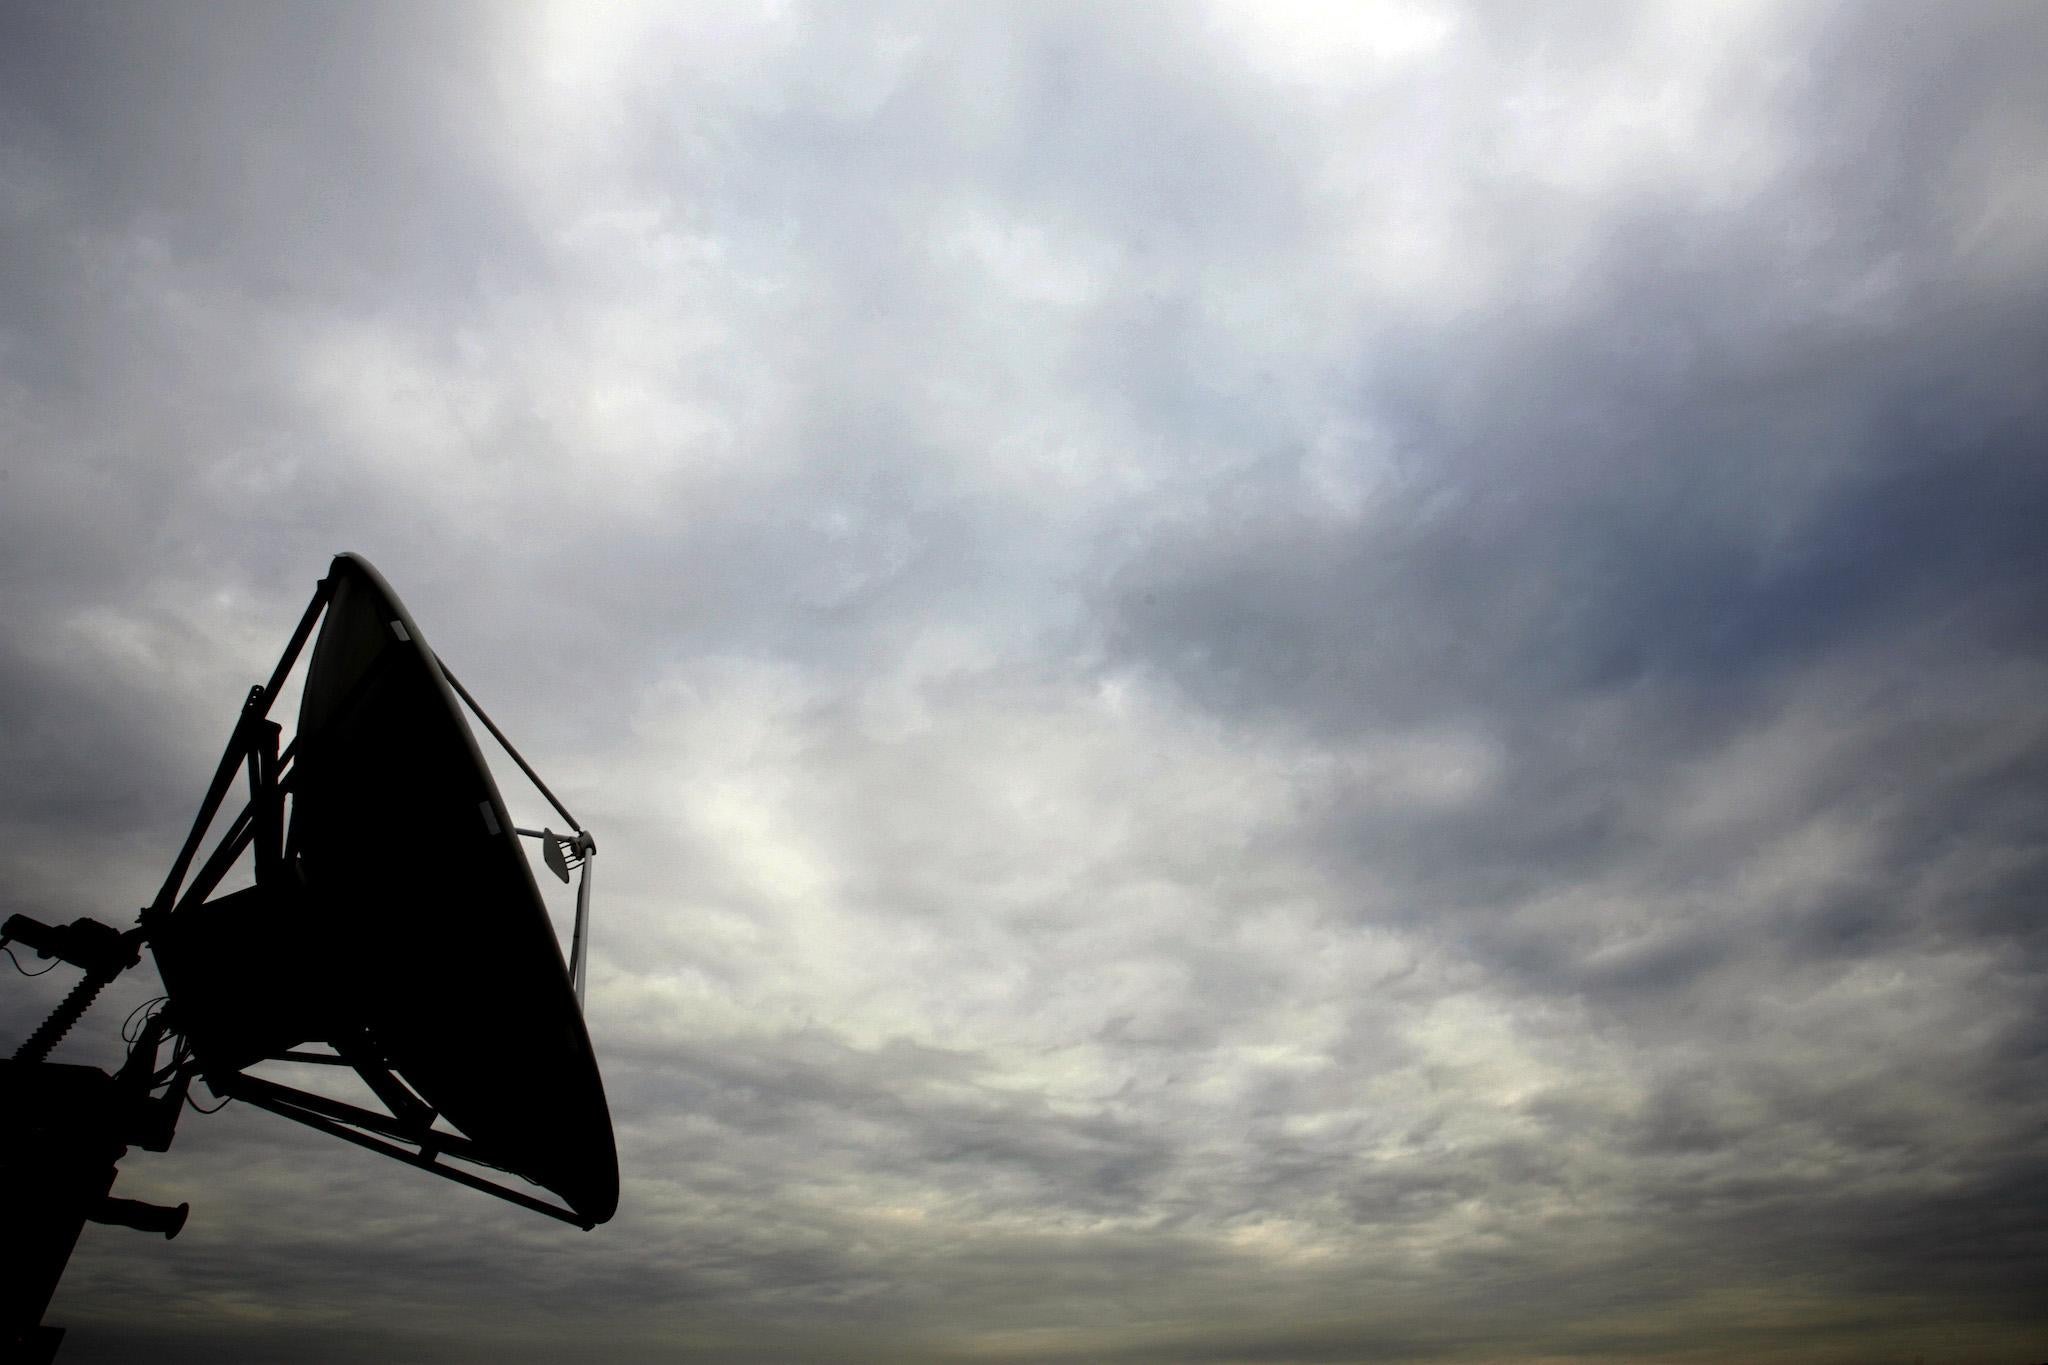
[1281, 684]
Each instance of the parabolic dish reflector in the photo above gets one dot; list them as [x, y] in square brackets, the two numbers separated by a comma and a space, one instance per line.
[412, 866]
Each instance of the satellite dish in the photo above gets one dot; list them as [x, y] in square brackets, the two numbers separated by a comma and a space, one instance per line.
[394, 929]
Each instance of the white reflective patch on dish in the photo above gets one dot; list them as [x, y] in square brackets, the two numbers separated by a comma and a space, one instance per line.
[398, 629]
[490, 817]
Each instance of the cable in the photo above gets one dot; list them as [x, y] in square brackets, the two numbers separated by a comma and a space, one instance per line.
[23, 970]
[215, 1110]
[130, 1030]
[168, 1070]
[181, 1053]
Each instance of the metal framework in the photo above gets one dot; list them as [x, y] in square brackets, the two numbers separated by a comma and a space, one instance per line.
[561, 854]
[65, 1128]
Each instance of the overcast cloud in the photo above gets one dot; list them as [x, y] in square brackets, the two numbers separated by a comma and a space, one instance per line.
[1259, 683]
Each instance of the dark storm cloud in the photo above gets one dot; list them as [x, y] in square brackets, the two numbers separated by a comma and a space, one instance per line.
[1258, 685]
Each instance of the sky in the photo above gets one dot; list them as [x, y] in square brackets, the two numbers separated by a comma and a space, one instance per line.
[1258, 682]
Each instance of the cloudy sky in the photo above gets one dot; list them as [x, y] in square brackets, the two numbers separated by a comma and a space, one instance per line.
[1258, 683]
